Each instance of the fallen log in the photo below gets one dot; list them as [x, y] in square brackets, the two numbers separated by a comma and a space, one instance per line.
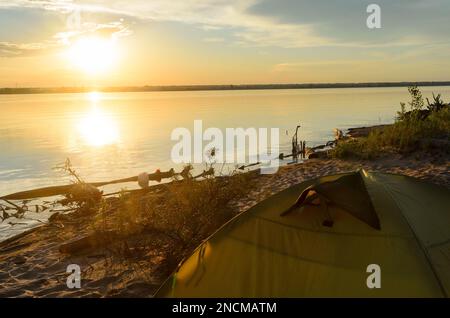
[64, 189]
[318, 155]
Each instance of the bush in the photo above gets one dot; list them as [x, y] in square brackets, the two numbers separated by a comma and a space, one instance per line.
[405, 135]
[356, 149]
[186, 210]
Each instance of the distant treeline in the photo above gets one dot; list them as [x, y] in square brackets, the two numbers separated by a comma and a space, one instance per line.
[51, 90]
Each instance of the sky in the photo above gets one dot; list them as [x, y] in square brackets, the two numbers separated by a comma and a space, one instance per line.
[189, 42]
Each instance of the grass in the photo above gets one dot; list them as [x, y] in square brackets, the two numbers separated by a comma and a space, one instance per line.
[183, 213]
[186, 210]
[158, 225]
[415, 130]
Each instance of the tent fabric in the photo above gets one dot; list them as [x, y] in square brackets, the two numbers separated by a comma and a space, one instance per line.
[262, 253]
[348, 192]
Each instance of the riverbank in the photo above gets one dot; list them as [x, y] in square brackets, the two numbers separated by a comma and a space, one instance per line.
[32, 264]
[176, 88]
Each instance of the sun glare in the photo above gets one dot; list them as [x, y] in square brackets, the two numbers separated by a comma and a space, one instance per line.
[98, 128]
[94, 97]
[93, 55]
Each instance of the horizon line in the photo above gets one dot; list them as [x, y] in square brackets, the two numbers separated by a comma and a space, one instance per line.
[211, 87]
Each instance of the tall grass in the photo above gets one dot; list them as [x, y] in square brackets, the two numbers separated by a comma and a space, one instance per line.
[406, 135]
[413, 130]
[185, 210]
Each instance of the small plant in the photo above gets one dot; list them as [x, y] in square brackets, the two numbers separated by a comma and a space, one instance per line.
[182, 212]
[413, 130]
[402, 113]
[416, 102]
[67, 167]
[437, 103]
[81, 195]
[416, 105]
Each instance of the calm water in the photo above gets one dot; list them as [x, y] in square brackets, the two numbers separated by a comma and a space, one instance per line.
[117, 135]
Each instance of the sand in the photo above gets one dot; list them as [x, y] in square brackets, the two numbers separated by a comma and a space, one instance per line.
[32, 266]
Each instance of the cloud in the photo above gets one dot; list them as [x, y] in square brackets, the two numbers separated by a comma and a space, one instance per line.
[214, 40]
[115, 29]
[60, 39]
[284, 23]
[69, 21]
[345, 21]
[296, 66]
[8, 49]
[209, 15]
[233, 17]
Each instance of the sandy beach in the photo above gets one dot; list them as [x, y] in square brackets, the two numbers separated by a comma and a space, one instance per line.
[245, 149]
[31, 264]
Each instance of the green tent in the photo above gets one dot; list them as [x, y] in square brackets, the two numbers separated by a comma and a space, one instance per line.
[317, 239]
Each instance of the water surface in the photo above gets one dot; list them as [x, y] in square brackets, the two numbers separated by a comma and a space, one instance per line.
[115, 135]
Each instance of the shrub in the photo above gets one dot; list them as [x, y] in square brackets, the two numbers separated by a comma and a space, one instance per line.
[407, 134]
[186, 210]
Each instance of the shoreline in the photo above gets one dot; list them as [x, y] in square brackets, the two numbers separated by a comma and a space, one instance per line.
[316, 152]
[180, 88]
[32, 265]
[310, 153]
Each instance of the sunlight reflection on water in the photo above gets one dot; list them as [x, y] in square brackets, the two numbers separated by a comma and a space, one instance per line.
[117, 135]
[98, 128]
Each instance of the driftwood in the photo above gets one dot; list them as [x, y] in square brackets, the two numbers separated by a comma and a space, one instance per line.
[64, 189]
[298, 148]
[318, 155]
[72, 188]
[249, 165]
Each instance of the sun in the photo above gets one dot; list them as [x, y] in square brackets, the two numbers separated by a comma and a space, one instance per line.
[94, 55]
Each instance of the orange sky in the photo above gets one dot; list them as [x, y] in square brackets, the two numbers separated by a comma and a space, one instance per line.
[219, 42]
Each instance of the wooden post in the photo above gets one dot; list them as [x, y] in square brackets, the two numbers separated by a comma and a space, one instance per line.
[295, 145]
